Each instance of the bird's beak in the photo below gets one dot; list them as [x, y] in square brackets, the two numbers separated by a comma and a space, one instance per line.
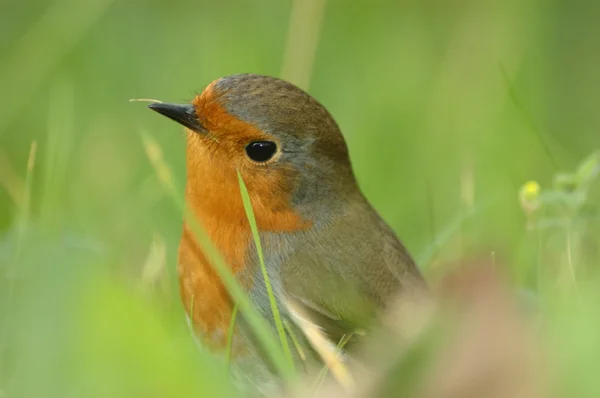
[183, 114]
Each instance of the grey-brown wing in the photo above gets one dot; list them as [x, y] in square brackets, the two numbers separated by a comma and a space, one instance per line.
[343, 275]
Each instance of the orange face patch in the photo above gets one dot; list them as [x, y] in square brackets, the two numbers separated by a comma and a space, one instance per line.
[213, 192]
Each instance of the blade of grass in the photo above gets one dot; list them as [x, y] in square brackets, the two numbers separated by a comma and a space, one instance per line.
[431, 215]
[424, 260]
[257, 323]
[570, 264]
[22, 225]
[303, 34]
[27, 194]
[11, 180]
[263, 268]
[230, 334]
[327, 350]
[323, 373]
[295, 341]
[517, 103]
[58, 147]
[155, 261]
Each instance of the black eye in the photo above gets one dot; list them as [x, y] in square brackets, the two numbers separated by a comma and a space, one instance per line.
[261, 151]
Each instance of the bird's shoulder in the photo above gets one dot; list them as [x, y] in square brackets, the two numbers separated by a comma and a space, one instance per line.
[349, 267]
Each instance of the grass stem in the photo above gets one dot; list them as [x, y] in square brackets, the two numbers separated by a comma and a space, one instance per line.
[263, 268]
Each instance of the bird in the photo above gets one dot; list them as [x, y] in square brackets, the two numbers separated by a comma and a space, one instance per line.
[330, 257]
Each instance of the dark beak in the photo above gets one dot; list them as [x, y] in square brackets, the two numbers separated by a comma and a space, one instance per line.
[182, 114]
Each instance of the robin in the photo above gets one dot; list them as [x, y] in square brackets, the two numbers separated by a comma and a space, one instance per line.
[326, 249]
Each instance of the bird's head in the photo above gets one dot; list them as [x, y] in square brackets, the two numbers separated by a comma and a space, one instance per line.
[287, 147]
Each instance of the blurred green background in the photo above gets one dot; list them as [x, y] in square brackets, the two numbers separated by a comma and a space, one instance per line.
[448, 108]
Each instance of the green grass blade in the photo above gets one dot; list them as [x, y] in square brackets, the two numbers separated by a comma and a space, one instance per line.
[22, 226]
[517, 103]
[263, 268]
[255, 320]
[443, 236]
[304, 31]
[230, 334]
[57, 149]
[290, 330]
[26, 207]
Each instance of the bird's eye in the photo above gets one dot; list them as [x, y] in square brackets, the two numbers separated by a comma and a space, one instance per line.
[261, 151]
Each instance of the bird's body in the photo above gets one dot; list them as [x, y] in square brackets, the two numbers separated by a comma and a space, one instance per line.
[326, 249]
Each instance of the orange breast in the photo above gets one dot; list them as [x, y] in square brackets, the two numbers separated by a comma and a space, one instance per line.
[204, 296]
[221, 214]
